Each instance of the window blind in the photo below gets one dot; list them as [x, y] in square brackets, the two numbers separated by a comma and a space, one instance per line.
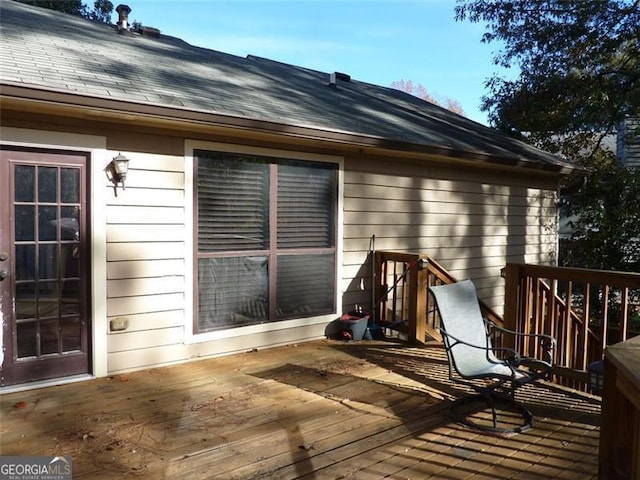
[293, 278]
[304, 192]
[233, 204]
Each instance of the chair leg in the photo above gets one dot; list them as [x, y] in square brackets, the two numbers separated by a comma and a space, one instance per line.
[494, 414]
[462, 409]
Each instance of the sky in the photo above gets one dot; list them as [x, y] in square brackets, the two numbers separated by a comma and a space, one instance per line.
[375, 41]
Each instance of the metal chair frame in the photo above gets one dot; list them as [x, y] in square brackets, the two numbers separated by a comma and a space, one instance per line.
[472, 357]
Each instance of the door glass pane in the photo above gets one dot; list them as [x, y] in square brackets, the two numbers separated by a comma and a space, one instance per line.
[47, 184]
[25, 262]
[69, 185]
[48, 299]
[69, 261]
[49, 337]
[70, 223]
[48, 262]
[232, 292]
[26, 300]
[71, 330]
[47, 223]
[70, 297]
[25, 223]
[27, 338]
[24, 183]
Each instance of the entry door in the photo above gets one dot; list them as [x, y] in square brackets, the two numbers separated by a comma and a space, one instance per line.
[44, 259]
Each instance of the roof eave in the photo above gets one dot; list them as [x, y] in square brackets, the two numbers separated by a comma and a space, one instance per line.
[105, 108]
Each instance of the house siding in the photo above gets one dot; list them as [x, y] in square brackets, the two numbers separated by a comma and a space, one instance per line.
[149, 264]
[628, 142]
[145, 232]
[470, 221]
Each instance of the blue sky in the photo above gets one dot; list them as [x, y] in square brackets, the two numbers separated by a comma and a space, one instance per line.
[376, 41]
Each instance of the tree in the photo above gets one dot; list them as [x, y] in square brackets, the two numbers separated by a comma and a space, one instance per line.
[101, 11]
[74, 7]
[606, 218]
[579, 62]
[420, 91]
[579, 76]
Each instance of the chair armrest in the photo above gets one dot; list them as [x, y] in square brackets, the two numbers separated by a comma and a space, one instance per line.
[551, 341]
[547, 341]
[511, 361]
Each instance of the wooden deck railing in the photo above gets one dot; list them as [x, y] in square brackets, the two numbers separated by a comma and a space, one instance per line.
[403, 303]
[585, 310]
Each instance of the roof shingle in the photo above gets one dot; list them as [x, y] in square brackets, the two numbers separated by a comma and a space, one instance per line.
[53, 50]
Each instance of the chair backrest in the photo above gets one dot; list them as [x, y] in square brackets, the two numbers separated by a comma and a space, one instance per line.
[461, 317]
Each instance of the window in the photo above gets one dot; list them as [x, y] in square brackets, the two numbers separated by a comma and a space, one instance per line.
[266, 239]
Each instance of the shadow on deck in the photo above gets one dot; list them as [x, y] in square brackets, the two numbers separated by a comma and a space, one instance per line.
[318, 410]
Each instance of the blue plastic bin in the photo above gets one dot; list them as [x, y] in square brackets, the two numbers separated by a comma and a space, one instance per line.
[356, 323]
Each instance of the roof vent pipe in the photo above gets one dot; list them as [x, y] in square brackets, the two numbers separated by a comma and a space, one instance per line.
[335, 76]
[123, 17]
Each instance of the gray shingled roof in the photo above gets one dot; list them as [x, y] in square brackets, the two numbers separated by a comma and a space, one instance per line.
[52, 50]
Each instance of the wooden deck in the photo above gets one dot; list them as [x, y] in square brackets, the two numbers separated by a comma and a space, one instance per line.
[318, 410]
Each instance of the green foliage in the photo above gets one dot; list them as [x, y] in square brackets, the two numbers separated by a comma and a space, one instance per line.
[606, 213]
[74, 7]
[579, 76]
[579, 62]
[101, 10]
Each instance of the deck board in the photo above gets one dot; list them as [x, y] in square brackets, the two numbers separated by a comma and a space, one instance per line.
[317, 410]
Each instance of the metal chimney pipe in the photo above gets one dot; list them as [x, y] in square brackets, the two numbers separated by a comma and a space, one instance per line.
[332, 80]
[123, 16]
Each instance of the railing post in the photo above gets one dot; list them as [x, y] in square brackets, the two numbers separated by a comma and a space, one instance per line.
[511, 300]
[417, 302]
[379, 287]
[420, 298]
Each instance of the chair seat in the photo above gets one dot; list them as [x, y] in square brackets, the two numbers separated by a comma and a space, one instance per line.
[496, 370]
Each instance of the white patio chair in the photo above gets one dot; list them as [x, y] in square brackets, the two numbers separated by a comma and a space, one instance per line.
[493, 372]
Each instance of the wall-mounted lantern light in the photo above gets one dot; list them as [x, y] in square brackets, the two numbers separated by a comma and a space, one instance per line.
[117, 171]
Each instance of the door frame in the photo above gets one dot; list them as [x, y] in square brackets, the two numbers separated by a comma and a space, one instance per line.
[98, 158]
[61, 365]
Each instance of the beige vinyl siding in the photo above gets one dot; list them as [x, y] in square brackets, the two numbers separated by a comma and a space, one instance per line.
[148, 264]
[471, 221]
[135, 351]
[144, 250]
[145, 235]
[144, 268]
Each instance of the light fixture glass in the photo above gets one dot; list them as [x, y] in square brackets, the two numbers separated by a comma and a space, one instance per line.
[121, 164]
